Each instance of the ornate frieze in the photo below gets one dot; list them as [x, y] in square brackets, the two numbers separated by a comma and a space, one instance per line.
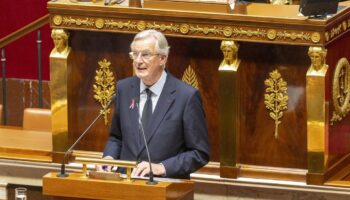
[337, 29]
[189, 29]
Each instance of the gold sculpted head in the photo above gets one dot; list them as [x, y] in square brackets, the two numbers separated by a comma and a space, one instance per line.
[318, 57]
[60, 39]
[229, 49]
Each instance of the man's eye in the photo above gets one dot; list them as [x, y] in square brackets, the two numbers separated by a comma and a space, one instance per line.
[145, 55]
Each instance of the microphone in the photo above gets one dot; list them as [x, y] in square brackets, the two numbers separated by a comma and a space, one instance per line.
[151, 180]
[63, 166]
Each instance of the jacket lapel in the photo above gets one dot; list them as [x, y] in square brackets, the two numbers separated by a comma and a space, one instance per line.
[133, 112]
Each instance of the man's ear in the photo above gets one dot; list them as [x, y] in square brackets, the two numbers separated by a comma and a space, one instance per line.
[163, 59]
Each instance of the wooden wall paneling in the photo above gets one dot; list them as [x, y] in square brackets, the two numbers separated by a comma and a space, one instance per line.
[257, 145]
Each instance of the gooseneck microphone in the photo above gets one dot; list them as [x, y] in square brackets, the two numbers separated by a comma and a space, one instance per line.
[151, 180]
[63, 166]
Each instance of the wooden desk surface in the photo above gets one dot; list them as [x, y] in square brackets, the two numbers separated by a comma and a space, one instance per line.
[16, 143]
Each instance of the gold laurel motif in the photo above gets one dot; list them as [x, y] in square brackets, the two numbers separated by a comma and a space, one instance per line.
[227, 31]
[336, 31]
[120, 24]
[315, 37]
[141, 25]
[57, 20]
[99, 23]
[239, 32]
[271, 34]
[190, 77]
[276, 98]
[104, 87]
[69, 21]
[163, 27]
[326, 35]
[341, 90]
[293, 36]
[184, 28]
[344, 25]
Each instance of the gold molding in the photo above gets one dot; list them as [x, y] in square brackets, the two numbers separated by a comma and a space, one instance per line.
[188, 29]
[104, 87]
[337, 29]
[341, 90]
[190, 77]
[276, 98]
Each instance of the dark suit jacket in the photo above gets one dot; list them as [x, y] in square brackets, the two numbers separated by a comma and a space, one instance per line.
[177, 135]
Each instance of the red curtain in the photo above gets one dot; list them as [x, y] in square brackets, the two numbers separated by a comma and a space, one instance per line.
[22, 55]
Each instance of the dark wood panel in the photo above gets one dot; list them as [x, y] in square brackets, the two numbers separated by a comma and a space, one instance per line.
[23, 93]
[258, 145]
[204, 56]
[339, 133]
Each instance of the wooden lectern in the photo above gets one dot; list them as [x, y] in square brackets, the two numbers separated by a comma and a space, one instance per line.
[76, 186]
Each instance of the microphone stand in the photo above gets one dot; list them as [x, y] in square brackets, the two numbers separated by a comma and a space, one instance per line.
[63, 166]
[151, 180]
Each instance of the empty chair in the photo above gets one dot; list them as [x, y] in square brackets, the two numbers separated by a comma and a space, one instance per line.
[38, 119]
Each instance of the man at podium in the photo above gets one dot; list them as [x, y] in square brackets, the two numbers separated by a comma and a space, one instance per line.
[165, 110]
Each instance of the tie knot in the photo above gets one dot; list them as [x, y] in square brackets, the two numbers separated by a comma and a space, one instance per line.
[148, 92]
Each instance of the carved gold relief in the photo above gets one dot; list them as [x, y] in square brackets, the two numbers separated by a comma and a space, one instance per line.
[183, 28]
[315, 37]
[190, 77]
[70, 20]
[341, 90]
[57, 20]
[271, 34]
[104, 87]
[276, 98]
[230, 51]
[99, 23]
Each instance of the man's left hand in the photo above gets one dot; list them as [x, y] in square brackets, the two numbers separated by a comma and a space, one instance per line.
[142, 169]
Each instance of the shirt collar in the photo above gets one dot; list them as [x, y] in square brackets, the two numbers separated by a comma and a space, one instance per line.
[157, 87]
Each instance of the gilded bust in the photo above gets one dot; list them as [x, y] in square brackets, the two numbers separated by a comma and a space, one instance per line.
[318, 57]
[60, 40]
[230, 51]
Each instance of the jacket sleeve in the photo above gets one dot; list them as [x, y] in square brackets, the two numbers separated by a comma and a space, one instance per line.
[195, 133]
[114, 142]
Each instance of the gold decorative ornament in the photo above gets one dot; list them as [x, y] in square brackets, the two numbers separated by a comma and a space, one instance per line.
[184, 28]
[141, 25]
[190, 77]
[70, 20]
[344, 25]
[227, 31]
[193, 29]
[271, 34]
[318, 58]
[57, 20]
[230, 62]
[315, 37]
[60, 40]
[293, 35]
[276, 98]
[99, 23]
[104, 87]
[326, 35]
[341, 90]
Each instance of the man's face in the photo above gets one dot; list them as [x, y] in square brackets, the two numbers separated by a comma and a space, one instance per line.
[147, 63]
[316, 59]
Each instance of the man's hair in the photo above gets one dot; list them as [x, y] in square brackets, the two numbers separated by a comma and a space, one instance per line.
[162, 46]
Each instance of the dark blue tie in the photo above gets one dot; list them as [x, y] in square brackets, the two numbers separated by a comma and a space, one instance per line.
[147, 110]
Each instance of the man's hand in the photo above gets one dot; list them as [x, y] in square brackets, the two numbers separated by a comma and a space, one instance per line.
[142, 169]
[104, 168]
